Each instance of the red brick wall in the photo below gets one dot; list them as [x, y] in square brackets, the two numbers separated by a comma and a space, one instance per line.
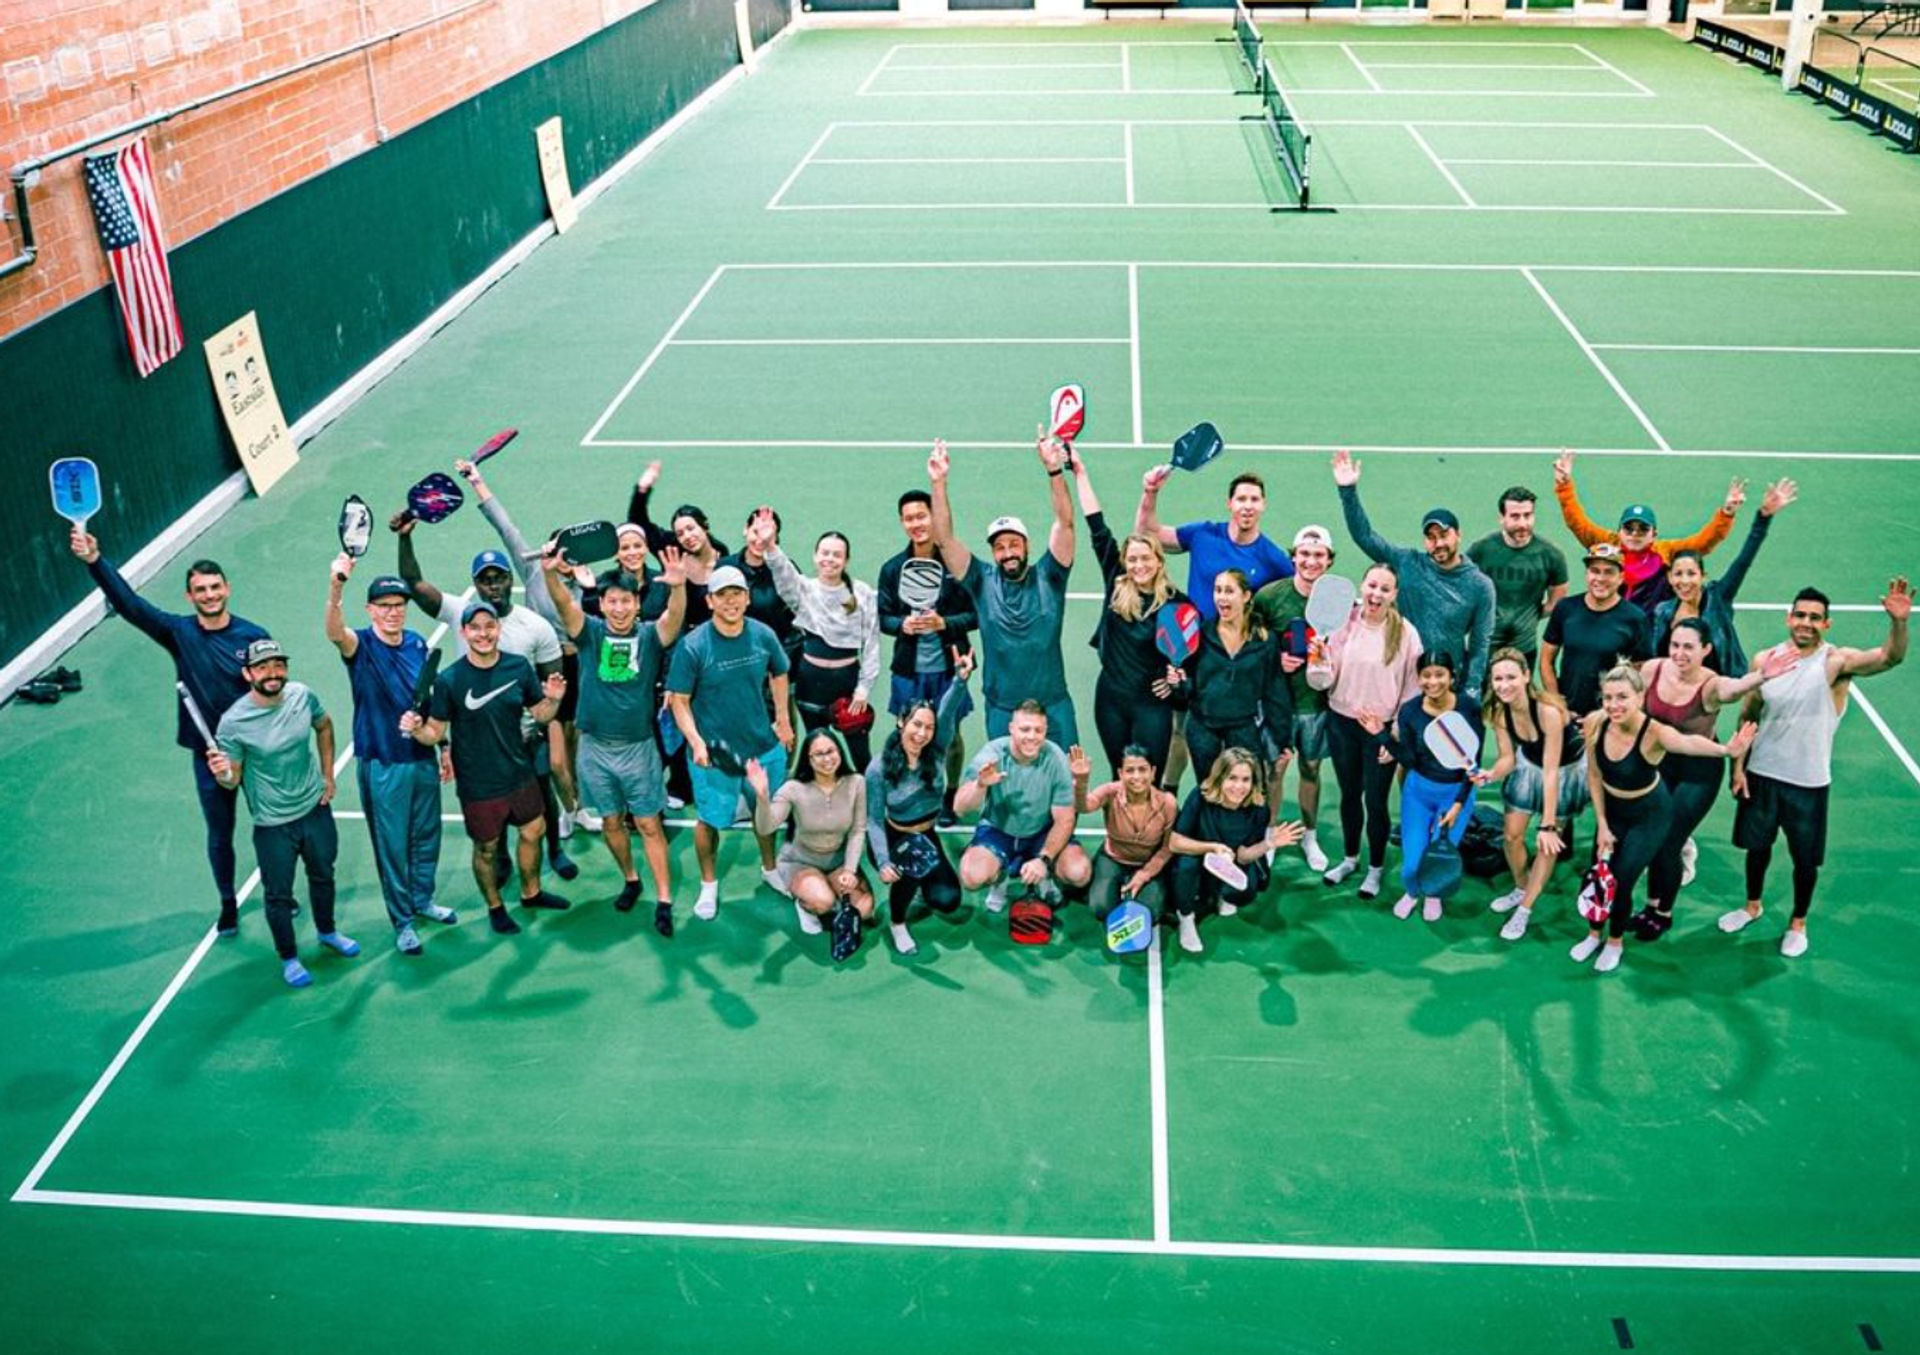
[71, 69]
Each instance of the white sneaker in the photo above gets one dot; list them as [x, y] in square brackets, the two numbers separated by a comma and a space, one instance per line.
[1516, 925]
[1689, 861]
[1430, 911]
[707, 906]
[1226, 909]
[1610, 955]
[1189, 934]
[1405, 906]
[675, 802]
[1794, 944]
[809, 924]
[996, 899]
[1310, 849]
[1584, 948]
[566, 825]
[587, 821]
[772, 880]
[1370, 887]
[902, 938]
[1348, 865]
[1736, 919]
[1509, 901]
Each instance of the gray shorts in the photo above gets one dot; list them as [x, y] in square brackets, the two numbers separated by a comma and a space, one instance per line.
[617, 777]
[1310, 735]
[1525, 789]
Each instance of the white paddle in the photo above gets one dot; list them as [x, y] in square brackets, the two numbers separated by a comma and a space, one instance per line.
[1329, 605]
[1451, 740]
[1222, 867]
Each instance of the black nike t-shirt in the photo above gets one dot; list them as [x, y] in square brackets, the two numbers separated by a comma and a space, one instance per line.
[481, 707]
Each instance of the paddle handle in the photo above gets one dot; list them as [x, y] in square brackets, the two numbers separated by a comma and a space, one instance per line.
[193, 713]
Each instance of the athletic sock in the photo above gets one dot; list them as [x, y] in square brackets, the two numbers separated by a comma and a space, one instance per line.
[1347, 866]
[295, 974]
[1370, 887]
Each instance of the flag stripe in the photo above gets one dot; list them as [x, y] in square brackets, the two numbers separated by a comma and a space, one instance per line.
[126, 211]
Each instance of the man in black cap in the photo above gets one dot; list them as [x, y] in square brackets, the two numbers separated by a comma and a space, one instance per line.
[1588, 634]
[481, 697]
[1444, 594]
[399, 779]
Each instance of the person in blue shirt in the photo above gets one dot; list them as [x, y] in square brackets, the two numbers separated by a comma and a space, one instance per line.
[399, 779]
[209, 649]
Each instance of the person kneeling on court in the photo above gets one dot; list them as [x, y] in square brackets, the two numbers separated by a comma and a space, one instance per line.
[820, 866]
[618, 766]
[1139, 819]
[1026, 826]
[276, 744]
[480, 698]
[1220, 843]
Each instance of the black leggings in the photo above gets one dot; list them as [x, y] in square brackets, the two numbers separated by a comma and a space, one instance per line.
[1805, 877]
[1205, 744]
[815, 689]
[939, 886]
[1124, 717]
[1692, 795]
[1639, 827]
[1109, 878]
[1194, 887]
[1364, 783]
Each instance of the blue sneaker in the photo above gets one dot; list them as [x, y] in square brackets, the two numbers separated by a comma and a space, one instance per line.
[295, 974]
[334, 941]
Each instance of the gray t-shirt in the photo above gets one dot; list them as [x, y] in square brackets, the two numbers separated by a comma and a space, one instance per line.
[726, 677]
[1451, 608]
[617, 677]
[1020, 630]
[1023, 802]
[280, 771]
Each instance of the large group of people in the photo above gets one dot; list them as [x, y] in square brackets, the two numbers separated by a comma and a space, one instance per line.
[744, 689]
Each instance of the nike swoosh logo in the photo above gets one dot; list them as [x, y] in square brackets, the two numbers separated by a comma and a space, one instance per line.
[472, 704]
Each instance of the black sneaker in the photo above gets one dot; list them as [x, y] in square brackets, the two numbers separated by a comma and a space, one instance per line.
[628, 896]
[663, 919]
[562, 865]
[40, 692]
[68, 678]
[228, 926]
[502, 921]
[551, 903]
[1650, 924]
[846, 932]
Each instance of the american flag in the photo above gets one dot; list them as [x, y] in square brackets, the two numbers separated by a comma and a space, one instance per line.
[120, 188]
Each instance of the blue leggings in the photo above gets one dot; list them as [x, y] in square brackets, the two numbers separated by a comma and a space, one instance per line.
[1422, 802]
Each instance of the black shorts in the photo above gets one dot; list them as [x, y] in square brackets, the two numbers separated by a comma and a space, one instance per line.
[1774, 807]
[570, 670]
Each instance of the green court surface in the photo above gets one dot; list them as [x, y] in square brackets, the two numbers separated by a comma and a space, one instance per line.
[1334, 1130]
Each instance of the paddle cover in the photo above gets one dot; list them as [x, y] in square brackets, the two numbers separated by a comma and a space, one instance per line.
[915, 856]
[1452, 741]
[1440, 869]
[1176, 631]
[75, 482]
[1030, 922]
[435, 499]
[1596, 893]
[1067, 412]
[356, 526]
[1197, 446]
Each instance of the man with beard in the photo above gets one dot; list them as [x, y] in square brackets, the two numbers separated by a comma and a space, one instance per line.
[929, 615]
[1529, 573]
[481, 698]
[1784, 779]
[1444, 594]
[209, 649]
[1278, 606]
[1022, 783]
[1020, 602]
[1588, 634]
[399, 780]
[276, 742]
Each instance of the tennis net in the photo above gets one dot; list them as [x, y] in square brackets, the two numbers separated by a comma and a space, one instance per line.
[1292, 141]
[1252, 45]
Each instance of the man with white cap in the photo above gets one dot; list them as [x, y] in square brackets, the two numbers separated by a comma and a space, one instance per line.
[1020, 602]
[725, 677]
[1279, 606]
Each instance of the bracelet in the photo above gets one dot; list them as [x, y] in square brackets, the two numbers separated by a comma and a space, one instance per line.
[1055, 474]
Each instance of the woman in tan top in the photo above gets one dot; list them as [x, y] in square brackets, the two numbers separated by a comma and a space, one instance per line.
[1139, 820]
[820, 866]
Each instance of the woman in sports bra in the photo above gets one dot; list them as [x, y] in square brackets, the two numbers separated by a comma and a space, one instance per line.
[1541, 769]
[1685, 693]
[1631, 805]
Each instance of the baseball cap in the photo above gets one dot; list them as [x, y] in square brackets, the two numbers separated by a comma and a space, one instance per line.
[490, 559]
[1439, 517]
[1007, 523]
[478, 607]
[725, 577]
[261, 650]
[1638, 512]
[1605, 553]
[1313, 534]
[388, 586]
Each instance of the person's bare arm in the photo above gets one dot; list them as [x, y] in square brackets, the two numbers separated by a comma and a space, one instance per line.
[1060, 536]
[339, 635]
[555, 568]
[952, 550]
[1146, 518]
[1892, 652]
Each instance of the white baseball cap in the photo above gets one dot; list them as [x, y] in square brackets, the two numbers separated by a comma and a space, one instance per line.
[1007, 523]
[1313, 534]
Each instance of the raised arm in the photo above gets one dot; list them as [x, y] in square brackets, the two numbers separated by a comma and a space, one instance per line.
[335, 624]
[1146, 518]
[567, 610]
[638, 509]
[1585, 530]
[952, 550]
[539, 598]
[1892, 652]
[1053, 456]
[673, 573]
[1346, 478]
[429, 598]
[146, 617]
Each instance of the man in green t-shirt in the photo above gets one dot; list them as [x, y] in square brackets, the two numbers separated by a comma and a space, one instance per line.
[276, 744]
[1023, 786]
[1278, 606]
[1529, 575]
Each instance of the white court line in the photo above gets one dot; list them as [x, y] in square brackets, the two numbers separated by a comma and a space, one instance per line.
[1598, 164]
[1508, 207]
[1157, 1094]
[773, 203]
[1598, 61]
[1219, 92]
[874, 343]
[1899, 749]
[654, 356]
[1466, 198]
[874, 74]
[1126, 143]
[1126, 69]
[1016, 66]
[1598, 362]
[1133, 333]
[1346, 50]
[980, 160]
[919, 446]
[1757, 348]
[1481, 66]
[1833, 207]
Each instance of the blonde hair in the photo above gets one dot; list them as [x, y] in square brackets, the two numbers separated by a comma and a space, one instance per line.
[1127, 601]
[1496, 709]
[1627, 673]
[1223, 766]
[1396, 624]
